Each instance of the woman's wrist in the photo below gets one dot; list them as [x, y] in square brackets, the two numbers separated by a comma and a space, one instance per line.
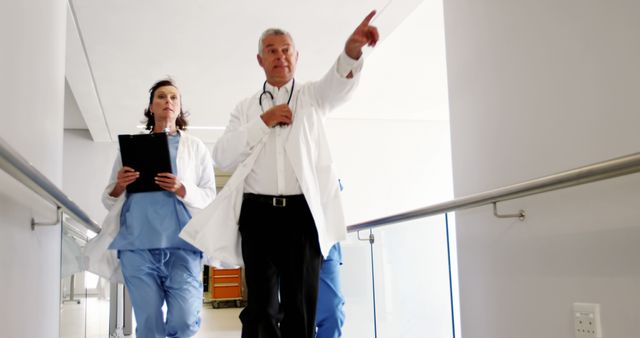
[117, 191]
[182, 192]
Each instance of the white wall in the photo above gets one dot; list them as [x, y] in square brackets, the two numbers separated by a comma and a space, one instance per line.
[390, 166]
[32, 34]
[538, 87]
[87, 166]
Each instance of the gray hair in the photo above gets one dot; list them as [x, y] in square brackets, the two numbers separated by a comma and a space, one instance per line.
[272, 31]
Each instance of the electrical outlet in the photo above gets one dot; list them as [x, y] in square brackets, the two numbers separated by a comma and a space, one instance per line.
[586, 317]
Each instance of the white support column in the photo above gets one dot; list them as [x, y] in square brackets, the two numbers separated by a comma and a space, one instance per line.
[32, 36]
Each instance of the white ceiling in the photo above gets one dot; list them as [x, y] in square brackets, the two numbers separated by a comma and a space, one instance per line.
[117, 49]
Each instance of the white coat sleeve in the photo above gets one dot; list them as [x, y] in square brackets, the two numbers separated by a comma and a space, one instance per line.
[335, 87]
[107, 200]
[240, 137]
[201, 192]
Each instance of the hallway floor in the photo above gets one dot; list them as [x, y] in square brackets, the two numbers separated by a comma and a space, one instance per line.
[218, 323]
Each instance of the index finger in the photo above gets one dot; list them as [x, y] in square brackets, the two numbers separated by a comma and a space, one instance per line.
[126, 169]
[368, 18]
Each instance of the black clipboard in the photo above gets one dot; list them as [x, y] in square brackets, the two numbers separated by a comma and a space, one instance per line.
[147, 154]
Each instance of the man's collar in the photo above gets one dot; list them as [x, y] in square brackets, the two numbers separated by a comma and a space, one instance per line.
[274, 90]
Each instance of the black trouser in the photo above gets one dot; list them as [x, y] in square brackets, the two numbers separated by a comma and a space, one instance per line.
[282, 266]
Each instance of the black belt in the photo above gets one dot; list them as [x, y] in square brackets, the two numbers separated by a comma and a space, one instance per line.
[276, 201]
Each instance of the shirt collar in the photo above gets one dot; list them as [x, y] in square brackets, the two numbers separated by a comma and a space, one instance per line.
[273, 90]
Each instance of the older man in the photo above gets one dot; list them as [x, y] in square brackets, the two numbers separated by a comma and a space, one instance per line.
[283, 198]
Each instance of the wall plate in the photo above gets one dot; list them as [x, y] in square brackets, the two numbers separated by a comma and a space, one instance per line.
[586, 317]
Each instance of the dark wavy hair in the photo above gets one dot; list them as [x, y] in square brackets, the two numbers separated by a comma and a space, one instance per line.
[181, 120]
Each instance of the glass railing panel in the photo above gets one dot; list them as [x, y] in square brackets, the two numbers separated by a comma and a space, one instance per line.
[73, 304]
[98, 305]
[357, 287]
[72, 309]
[413, 295]
[413, 280]
[84, 297]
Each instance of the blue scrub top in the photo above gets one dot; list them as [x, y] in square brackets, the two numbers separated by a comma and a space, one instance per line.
[153, 220]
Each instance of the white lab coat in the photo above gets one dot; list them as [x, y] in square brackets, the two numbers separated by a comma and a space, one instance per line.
[195, 172]
[215, 230]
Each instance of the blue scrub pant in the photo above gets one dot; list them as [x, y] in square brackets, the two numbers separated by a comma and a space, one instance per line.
[156, 276]
[330, 313]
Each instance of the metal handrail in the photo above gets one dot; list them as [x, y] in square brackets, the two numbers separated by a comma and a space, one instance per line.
[591, 173]
[18, 167]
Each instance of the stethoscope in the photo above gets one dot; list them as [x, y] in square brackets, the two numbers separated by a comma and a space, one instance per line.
[264, 91]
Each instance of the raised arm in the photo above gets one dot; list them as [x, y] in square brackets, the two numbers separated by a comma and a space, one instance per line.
[364, 35]
[339, 82]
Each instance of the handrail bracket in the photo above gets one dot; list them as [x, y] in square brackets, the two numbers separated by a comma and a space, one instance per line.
[34, 224]
[371, 237]
[521, 215]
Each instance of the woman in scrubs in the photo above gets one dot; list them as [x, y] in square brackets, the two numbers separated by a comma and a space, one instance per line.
[159, 267]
